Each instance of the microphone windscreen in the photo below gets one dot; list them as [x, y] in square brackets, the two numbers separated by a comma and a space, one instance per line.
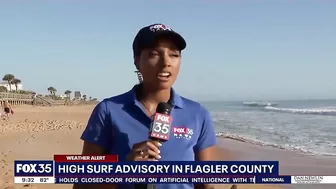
[164, 108]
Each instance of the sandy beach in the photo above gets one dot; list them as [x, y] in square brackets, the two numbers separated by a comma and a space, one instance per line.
[40, 132]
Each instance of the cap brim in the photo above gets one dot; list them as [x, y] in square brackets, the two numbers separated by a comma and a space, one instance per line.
[175, 37]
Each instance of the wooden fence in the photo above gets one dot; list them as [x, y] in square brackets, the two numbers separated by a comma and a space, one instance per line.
[16, 99]
[30, 99]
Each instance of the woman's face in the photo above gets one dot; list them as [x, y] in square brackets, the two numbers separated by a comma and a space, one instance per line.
[160, 65]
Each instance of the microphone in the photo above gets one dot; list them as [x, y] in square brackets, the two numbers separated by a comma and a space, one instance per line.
[160, 126]
[159, 131]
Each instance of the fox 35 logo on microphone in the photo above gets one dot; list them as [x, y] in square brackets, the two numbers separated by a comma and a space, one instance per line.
[33, 168]
[160, 127]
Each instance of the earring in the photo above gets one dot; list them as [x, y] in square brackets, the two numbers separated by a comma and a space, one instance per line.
[140, 78]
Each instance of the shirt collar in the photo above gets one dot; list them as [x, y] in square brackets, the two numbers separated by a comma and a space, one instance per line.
[175, 99]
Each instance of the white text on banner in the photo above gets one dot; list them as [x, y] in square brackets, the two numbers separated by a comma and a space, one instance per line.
[313, 179]
[34, 180]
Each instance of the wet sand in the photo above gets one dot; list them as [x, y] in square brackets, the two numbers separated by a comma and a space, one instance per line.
[41, 132]
[291, 163]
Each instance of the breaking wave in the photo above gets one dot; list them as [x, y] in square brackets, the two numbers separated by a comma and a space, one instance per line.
[315, 111]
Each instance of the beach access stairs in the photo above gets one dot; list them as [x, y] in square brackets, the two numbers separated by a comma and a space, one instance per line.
[43, 101]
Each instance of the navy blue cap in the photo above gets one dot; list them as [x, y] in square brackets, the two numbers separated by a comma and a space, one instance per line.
[146, 37]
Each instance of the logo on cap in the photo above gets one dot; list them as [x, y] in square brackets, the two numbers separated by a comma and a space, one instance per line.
[159, 27]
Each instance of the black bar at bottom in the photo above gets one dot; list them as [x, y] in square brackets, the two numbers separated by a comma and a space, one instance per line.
[140, 186]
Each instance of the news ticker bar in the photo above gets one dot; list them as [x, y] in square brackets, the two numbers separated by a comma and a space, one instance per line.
[179, 180]
[57, 169]
[90, 169]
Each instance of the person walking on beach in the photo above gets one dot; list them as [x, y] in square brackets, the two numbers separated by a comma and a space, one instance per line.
[120, 124]
[7, 109]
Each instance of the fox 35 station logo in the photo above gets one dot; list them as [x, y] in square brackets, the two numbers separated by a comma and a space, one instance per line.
[33, 168]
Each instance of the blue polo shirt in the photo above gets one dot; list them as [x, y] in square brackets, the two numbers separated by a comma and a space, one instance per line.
[119, 122]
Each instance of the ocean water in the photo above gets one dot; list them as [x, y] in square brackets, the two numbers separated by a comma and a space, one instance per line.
[305, 126]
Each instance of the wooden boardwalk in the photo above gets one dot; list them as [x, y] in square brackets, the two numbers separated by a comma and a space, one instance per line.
[16, 99]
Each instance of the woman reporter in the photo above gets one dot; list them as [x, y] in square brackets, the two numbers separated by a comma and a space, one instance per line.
[120, 124]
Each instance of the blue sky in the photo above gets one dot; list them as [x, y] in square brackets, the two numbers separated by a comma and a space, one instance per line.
[236, 49]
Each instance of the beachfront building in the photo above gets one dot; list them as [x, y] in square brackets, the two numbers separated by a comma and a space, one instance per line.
[12, 86]
[78, 95]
